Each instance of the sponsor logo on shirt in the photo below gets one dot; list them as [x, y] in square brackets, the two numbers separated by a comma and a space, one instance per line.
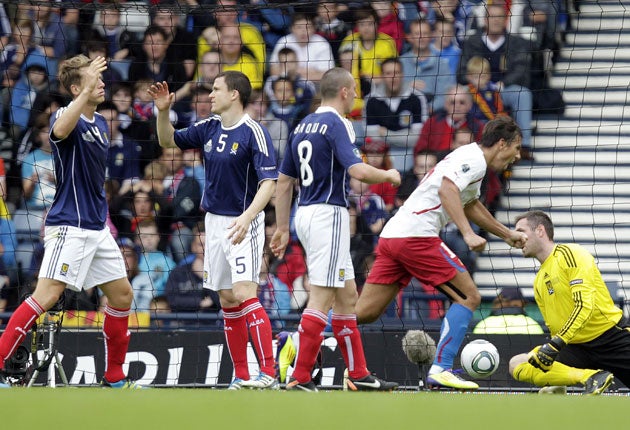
[576, 282]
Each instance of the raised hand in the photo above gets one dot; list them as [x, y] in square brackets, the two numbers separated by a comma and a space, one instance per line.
[161, 96]
[92, 76]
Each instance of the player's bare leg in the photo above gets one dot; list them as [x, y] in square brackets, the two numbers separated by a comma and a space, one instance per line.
[373, 301]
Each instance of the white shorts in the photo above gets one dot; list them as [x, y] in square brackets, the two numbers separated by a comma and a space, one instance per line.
[225, 264]
[81, 258]
[324, 231]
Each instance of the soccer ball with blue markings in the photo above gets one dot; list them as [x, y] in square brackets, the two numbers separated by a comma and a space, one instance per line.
[480, 358]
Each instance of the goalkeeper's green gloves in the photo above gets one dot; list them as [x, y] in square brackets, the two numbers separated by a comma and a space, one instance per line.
[543, 356]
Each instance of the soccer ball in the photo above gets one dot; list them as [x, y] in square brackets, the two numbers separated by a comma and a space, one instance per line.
[480, 358]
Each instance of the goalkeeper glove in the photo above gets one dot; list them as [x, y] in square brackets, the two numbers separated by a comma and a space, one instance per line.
[543, 356]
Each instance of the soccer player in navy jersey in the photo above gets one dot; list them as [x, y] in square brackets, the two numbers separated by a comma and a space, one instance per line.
[320, 158]
[241, 174]
[80, 252]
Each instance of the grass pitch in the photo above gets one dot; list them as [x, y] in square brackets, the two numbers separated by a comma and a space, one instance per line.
[175, 409]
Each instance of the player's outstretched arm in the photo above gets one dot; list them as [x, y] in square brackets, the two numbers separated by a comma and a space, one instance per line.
[68, 118]
[371, 175]
[163, 99]
[284, 192]
[480, 215]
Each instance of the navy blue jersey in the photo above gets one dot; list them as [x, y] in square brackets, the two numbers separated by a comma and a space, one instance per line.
[236, 160]
[320, 151]
[80, 163]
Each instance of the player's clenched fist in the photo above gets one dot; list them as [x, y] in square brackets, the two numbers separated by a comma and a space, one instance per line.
[543, 356]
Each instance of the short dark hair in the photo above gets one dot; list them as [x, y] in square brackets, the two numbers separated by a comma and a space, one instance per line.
[240, 82]
[153, 30]
[535, 218]
[333, 81]
[501, 127]
[106, 105]
[394, 60]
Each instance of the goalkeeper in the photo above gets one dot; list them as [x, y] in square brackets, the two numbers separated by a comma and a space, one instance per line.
[590, 339]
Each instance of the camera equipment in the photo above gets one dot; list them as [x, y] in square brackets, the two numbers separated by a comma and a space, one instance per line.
[45, 340]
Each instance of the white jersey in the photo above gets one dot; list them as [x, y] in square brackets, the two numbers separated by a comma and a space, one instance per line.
[423, 215]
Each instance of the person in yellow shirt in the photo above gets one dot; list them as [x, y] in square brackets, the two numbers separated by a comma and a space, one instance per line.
[590, 338]
[235, 59]
[508, 316]
[369, 48]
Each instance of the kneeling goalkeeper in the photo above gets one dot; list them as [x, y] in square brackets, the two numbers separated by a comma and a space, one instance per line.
[590, 342]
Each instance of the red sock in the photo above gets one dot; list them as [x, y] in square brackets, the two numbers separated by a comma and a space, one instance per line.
[116, 333]
[311, 326]
[235, 328]
[260, 332]
[20, 323]
[349, 341]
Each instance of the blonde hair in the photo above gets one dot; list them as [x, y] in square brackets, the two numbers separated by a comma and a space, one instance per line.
[477, 65]
[70, 71]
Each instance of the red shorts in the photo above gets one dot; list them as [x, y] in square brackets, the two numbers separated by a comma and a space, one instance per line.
[426, 258]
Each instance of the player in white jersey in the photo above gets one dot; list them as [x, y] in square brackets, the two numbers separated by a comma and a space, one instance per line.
[410, 246]
[79, 250]
[320, 158]
[240, 178]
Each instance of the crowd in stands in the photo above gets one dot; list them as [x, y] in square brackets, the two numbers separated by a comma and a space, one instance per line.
[430, 74]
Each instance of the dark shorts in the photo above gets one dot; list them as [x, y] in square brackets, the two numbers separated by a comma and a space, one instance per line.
[610, 351]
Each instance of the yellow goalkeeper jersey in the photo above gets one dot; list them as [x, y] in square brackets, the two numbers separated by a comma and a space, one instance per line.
[572, 295]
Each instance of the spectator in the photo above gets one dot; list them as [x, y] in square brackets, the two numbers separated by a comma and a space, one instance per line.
[272, 19]
[389, 23]
[118, 38]
[510, 62]
[396, 112]
[48, 29]
[273, 294]
[329, 25]
[234, 58]
[487, 102]
[38, 176]
[19, 48]
[142, 132]
[258, 109]
[423, 162]
[123, 158]
[437, 132]
[182, 46]
[227, 16]
[152, 63]
[184, 286]
[200, 106]
[377, 155]
[423, 67]
[97, 47]
[458, 12]
[303, 90]
[153, 262]
[34, 81]
[314, 54]
[508, 316]
[445, 43]
[369, 49]
[370, 207]
[186, 203]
